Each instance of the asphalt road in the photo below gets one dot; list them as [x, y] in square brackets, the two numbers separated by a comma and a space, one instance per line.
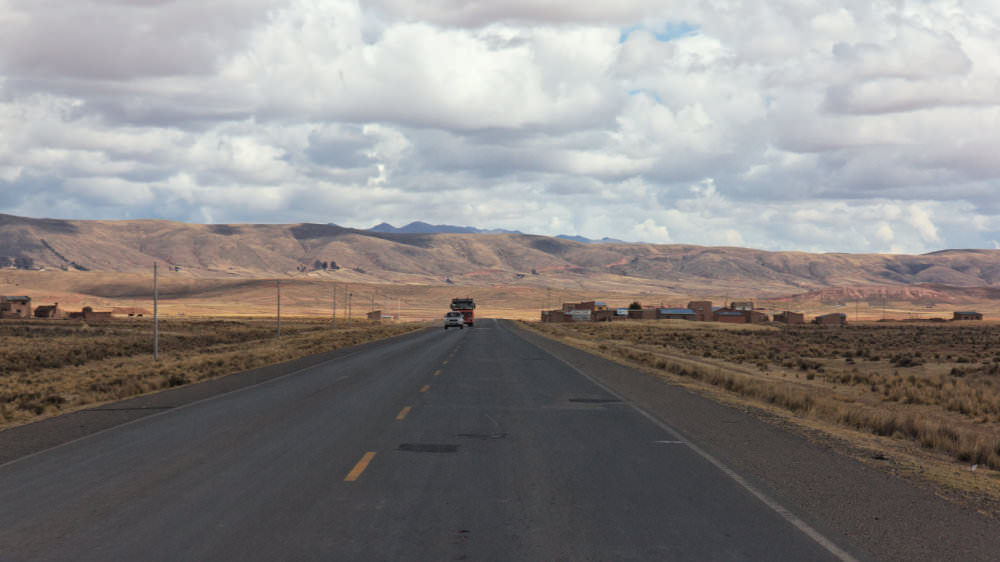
[473, 444]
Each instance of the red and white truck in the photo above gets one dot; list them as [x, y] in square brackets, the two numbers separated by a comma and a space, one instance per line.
[466, 306]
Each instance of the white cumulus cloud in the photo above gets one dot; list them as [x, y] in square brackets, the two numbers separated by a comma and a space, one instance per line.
[838, 126]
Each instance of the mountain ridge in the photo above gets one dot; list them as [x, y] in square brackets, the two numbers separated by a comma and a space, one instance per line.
[420, 227]
[504, 259]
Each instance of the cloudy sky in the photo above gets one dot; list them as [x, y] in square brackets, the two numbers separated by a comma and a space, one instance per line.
[852, 126]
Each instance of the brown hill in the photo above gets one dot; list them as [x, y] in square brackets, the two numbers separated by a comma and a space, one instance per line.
[198, 251]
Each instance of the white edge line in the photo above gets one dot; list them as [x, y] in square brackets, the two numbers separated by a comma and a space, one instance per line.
[787, 515]
[187, 405]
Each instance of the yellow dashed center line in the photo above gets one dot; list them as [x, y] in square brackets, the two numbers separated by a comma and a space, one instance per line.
[402, 413]
[425, 388]
[445, 362]
[360, 467]
[438, 372]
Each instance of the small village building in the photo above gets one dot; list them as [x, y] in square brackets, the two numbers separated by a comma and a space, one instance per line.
[730, 316]
[375, 315]
[755, 317]
[788, 317]
[642, 314]
[15, 307]
[555, 316]
[602, 315]
[90, 315]
[741, 305]
[588, 311]
[571, 306]
[967, 315]
[702, 310]
[676, 314]
[833, 319]
[49, 311]
[97, 316]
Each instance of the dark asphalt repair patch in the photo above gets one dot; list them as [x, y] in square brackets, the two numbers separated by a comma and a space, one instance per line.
[595, 400]
[428, 448]
[483, 436]
[136, 409]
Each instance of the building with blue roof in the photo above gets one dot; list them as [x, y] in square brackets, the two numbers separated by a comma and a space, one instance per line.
[676, 313]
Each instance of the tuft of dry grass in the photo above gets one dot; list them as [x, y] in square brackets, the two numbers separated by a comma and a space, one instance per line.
[48, 368]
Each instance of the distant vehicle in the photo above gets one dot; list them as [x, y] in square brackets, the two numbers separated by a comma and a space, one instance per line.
[454, 319]
[466, 306]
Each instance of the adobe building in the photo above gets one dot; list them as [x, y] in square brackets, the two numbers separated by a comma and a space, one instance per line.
[604, 315]
[642, 314]
[833, 319]
[755, 317]
[49, 311]
[95, 316]
[967, 315]
[730, 316]
[555, 316]
[676, 314]
[569, 307]
[90, 315]
[375, 315]
[788, 317]
[15, 307]
[702, 310]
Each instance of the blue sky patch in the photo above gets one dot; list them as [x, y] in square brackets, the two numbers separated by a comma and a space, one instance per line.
[669, 32]
[649, 93]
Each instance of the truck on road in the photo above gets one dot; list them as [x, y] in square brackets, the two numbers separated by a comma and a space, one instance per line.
[466, 306]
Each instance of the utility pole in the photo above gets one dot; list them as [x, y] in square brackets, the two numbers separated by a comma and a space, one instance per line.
[349, 295]
[397, 309]
[156, 315]
[335, 306]
[278, 285]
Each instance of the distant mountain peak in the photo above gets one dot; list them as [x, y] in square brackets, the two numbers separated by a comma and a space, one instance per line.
[420, 227]
[383, 227]
[585, 240]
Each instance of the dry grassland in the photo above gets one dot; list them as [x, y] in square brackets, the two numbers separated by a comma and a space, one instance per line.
[52, 367]
[923, 390]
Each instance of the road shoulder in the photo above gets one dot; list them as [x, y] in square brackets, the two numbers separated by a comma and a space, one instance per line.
[848, 500]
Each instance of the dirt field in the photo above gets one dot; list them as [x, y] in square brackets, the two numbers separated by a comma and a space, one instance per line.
[926, 392]
[49, 367]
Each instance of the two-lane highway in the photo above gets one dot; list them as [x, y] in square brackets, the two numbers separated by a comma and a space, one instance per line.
[458, 445]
